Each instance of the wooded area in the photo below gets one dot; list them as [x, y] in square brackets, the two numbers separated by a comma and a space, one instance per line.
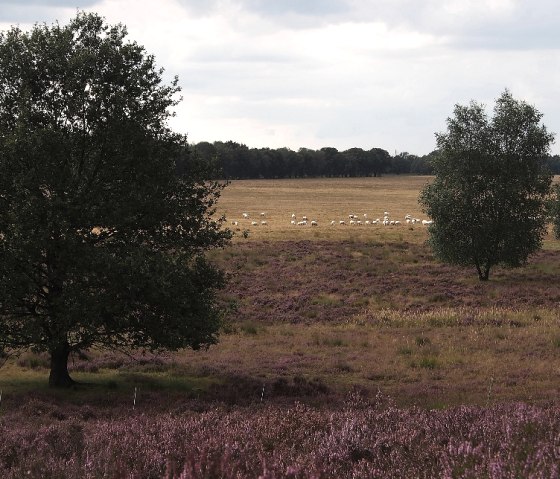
[237, 161]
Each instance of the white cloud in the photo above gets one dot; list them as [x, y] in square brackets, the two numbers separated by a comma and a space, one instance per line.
[343, 73]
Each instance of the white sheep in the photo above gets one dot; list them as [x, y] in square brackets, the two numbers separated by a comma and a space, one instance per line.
[342, 222]
[262, 213]
[427, 222]
[245, 215]
[264, 223]
[254, 223]
[333, 222]
[314, 223]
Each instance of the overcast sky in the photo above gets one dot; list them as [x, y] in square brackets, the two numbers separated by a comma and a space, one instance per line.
[342, 73]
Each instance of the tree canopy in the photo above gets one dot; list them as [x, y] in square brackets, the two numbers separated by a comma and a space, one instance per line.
[237, 161]
[105, 216]
[491, 182]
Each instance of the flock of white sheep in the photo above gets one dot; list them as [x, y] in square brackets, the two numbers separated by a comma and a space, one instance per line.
[246, 216]
[353, 220]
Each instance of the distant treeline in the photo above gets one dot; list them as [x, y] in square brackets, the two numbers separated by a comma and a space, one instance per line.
[237, 161]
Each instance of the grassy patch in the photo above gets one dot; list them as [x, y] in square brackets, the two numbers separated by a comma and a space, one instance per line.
[333, 342]
[422, 341]
[326, 299]
[402, 357]
[250, 328]
[428, 363]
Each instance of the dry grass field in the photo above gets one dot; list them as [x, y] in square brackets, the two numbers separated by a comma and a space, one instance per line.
[323, 200]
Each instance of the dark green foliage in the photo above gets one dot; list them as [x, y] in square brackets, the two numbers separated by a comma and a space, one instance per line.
[104, 214]
[553, 163]
[237, 161]
[488, 198]
[554, 210]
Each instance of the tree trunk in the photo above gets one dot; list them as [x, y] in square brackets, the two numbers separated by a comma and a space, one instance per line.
[59, 377]
[484, 273]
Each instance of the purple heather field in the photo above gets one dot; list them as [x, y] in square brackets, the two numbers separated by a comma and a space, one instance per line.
[302, 429]
[360, 438]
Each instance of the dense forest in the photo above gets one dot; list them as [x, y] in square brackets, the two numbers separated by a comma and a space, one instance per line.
[237, 161]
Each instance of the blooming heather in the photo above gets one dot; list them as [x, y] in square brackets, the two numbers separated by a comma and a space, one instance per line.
[363, 438]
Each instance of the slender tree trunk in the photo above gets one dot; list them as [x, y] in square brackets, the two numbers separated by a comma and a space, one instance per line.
[484, 273]
[59, 377]
[479, 271]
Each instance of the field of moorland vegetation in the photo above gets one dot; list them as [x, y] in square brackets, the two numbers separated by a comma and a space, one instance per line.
[348, 351]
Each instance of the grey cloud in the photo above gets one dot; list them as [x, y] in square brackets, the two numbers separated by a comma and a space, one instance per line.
[308, 8]
[200, 7]
[221, 55]
[47, 3]
[513, 38]
[38, 11]
[273, 8]
[294, 14]
[527, 25]
[521, 32]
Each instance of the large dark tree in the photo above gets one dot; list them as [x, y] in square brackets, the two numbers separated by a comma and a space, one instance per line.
[104, 218]
[491, 182]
